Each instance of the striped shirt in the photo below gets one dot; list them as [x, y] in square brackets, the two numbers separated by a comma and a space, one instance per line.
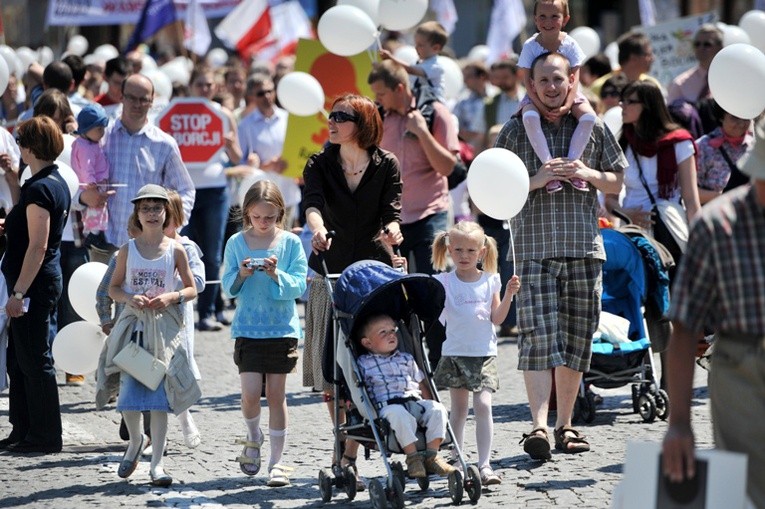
[562, 224]
[150, 156]
[720, 283]
[390, 376]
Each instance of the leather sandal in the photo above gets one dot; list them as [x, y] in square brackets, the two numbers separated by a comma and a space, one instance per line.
[568, 443]
[351, 462]
[536, 446]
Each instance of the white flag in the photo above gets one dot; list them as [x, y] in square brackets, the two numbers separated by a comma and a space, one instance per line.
[647, 13]
[508, 19]
[196, 34]
[445, 12]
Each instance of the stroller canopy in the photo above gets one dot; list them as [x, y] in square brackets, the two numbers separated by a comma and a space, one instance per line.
[369, 287]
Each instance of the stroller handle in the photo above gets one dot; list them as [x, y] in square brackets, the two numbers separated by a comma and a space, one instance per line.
[331, 234]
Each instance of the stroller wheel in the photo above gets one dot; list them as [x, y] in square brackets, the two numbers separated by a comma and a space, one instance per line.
[635, 397]
[473, 484]
[377, 495]
[349, 479]
[587, 407]
[423, 483]
[456, 489]
[647, 407]
[325, 485]
[397, 494]
[398, 473]
[662, 404]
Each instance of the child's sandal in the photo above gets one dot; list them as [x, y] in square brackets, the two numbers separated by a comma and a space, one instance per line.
[250, 465]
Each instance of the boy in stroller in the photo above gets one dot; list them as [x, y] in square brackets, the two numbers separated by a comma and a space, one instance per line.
[395, 386]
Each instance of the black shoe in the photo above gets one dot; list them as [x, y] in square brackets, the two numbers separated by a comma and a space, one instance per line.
[9, 441]
[25, 447]
[221, 319]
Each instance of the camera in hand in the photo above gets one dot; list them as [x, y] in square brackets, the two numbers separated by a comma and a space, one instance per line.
[257, 263]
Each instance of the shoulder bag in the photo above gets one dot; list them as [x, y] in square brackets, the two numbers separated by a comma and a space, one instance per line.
[137, 362]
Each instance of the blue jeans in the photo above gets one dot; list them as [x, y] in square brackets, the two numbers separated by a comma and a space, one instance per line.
[206, 226]
[418, 239]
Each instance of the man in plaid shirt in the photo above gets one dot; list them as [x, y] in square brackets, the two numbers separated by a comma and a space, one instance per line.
[720, 285]
[560, 254]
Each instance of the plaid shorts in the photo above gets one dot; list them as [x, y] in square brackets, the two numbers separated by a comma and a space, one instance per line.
[558, 312]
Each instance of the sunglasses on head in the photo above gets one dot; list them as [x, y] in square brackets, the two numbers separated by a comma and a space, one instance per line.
[341, 116]
[703, 44]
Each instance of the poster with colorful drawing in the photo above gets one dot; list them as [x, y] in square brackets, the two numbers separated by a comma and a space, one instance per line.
[337, 76]
[672, 44]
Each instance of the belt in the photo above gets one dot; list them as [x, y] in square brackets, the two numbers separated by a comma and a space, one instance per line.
[396, 401]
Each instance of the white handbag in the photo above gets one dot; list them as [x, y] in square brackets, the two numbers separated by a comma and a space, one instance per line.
[141, 365]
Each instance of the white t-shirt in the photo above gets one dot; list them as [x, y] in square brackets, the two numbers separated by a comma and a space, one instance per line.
[467, 315]
[635, 195]
[569, 48]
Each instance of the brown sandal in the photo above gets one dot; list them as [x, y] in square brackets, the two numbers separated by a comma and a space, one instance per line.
[570, 444]
[538, 447]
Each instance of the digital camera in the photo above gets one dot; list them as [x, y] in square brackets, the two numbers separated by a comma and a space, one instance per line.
[257, 263]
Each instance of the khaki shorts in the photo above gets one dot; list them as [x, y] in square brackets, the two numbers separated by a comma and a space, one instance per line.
[471, 373]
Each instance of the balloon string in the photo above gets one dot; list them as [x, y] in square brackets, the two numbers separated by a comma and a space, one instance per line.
[325, 113]
[512, 245]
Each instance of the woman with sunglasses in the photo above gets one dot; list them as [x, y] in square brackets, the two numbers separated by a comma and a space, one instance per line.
[353, 188]
[33, 276]
[661, 156]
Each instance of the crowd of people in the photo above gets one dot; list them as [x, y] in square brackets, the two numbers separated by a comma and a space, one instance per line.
[388, 186]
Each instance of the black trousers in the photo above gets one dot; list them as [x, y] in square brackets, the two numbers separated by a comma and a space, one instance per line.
[34, 409]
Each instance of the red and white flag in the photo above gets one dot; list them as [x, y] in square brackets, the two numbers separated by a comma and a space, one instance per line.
[290, 23]
[247, 27]
[508, 19]
[196, 34]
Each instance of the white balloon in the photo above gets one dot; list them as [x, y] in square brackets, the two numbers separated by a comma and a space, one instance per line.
[44, 55]
[77, 347]
[406, 54]
[735, 70]
[734, 35]
[4, 75]
[27, 56]
[479, 52]
[66, 171]
[248, 181]
[613, 120]
[612, 52]
[300, 94]
[401, 14]
[346, 30]
[148, 63]
[82, 290]
[216, 58]
[163, 87]
[371, 7]
[177, 72]
[588, 39]
[14, 63]
[498, 183]
[753, 23]
[107, 51]
[453, 79]
[77, 45]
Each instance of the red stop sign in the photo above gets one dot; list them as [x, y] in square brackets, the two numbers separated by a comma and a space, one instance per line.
[197, 126]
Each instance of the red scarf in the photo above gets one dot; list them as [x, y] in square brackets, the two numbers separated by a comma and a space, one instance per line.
[664, 150]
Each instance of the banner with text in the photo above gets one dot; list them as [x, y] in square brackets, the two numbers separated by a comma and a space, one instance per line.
[337, 76]
[119, 12]
[672, 44]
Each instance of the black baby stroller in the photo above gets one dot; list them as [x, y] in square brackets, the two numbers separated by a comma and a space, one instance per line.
[414, 301]
[632, 274]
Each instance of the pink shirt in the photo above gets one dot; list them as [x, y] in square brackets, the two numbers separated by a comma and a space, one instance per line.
[89, 162]
[688, 85]
[425, 191]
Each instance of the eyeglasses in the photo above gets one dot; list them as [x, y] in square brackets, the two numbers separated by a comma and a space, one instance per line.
[157, 209]
[628, 102]
[387, 332]
[264, 93]
[341, 117]
[143, 101]
[609, 93]
[703, 44]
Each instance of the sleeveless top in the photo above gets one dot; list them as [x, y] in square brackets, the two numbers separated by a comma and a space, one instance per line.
[149, 277]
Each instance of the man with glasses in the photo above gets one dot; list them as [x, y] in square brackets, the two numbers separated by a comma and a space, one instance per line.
[427, 156]
[139, 153]
[261, 135]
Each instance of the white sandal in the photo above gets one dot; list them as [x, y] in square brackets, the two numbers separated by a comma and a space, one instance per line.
[488, 477]
[250, 465]
[279, 476]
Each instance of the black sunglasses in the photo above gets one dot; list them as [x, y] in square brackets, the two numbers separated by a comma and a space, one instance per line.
[610, 93]
[263, 93]
[341, 117]
[704, 44]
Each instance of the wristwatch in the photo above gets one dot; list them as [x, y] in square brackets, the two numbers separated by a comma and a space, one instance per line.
[181, 298]
[18, 295]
